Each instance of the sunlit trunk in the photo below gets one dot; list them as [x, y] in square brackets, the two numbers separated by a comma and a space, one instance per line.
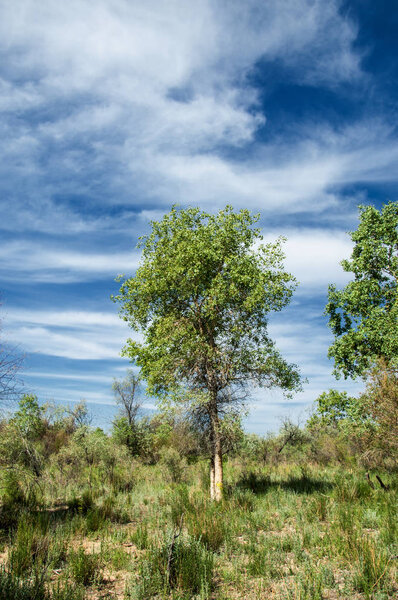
[216, 470]
[212, 479]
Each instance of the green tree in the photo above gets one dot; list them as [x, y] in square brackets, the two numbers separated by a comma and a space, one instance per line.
[29, 417]
[338, 410]
[201, 298]
[363, 315]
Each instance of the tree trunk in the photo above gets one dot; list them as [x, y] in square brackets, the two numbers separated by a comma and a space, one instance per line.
[216, 470]
[212, 479]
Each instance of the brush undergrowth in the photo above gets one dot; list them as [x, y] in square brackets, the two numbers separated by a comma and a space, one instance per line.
[290, 531]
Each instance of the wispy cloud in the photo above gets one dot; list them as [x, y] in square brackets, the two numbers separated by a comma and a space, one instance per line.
[112, 111]
[135, 104]
[78, 335]
[41, 262]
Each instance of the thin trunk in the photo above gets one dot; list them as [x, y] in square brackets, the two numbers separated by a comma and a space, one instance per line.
[216, 480]
[218, 472]
[212, 480]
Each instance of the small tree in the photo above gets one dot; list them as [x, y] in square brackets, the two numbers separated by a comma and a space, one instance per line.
[10, 364]
[201, 297]
[336, 409]
[381, 401]
[364, 315]
[128, 396]
[291, 434]
[78, 415]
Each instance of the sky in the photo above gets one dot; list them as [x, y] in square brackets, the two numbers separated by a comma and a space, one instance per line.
[112, 111]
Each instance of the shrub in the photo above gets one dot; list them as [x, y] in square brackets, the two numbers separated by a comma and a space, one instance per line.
[14, 588]
[180, 564]
[84, 568]
[372, 568]
[30, 548]
[174, 464]
[208, 525]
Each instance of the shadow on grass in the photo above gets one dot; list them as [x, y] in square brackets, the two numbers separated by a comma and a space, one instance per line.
[298, 485]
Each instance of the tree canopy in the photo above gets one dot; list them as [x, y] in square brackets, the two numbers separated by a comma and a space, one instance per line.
[363, 315]
[201, 297]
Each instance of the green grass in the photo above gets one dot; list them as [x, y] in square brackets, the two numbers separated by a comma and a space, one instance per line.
[282, 532]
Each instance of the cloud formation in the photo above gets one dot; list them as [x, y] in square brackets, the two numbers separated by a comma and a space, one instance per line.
[112, 111]
[132, 104]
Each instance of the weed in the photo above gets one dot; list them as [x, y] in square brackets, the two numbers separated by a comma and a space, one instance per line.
[372, 571]
[208, 525]
[140, 536]
[84, 568]
[13, 587]
[29, 550]
[184, 566]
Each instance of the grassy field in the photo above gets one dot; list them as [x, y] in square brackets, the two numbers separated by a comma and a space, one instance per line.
[287, 531]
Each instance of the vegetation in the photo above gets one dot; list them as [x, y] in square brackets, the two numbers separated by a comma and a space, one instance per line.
[201, 298]
[363, 316]
[309, 513]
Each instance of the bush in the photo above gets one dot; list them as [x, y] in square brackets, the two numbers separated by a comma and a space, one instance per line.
[14, 588]
[207, 524]
[84, 568]
[30, 548]
[180, 564]
[174, 464]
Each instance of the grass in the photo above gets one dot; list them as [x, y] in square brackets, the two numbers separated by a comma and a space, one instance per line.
[282, 532]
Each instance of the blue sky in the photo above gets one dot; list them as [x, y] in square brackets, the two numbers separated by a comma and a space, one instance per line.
[112, 111]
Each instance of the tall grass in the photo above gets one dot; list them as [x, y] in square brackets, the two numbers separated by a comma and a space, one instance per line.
[282, 532]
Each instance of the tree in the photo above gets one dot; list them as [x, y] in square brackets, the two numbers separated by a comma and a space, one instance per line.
[364, 315]
[381, 403]
[26, 428]
[29, 417]
[10, 363]
[291, 434]
[201, 298]
[78, 415]
[128, 396]
[335, 408]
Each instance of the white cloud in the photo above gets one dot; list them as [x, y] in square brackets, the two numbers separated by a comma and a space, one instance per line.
[143, 97]
[139, 105]
[135, 104]
[67, 318]
[80, 335]
[313, 256]
[45, 263]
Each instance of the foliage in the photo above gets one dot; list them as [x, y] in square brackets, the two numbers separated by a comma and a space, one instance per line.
[203, 294]
[84, 568]
[287, 527]
[381, 402]
[202, 297]
[339, 410]
[291, 434]
[90, 457]
[14, 588]
[174, 463]
[20, 444]
[363, 315]
[28, 417]
[178, 564]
